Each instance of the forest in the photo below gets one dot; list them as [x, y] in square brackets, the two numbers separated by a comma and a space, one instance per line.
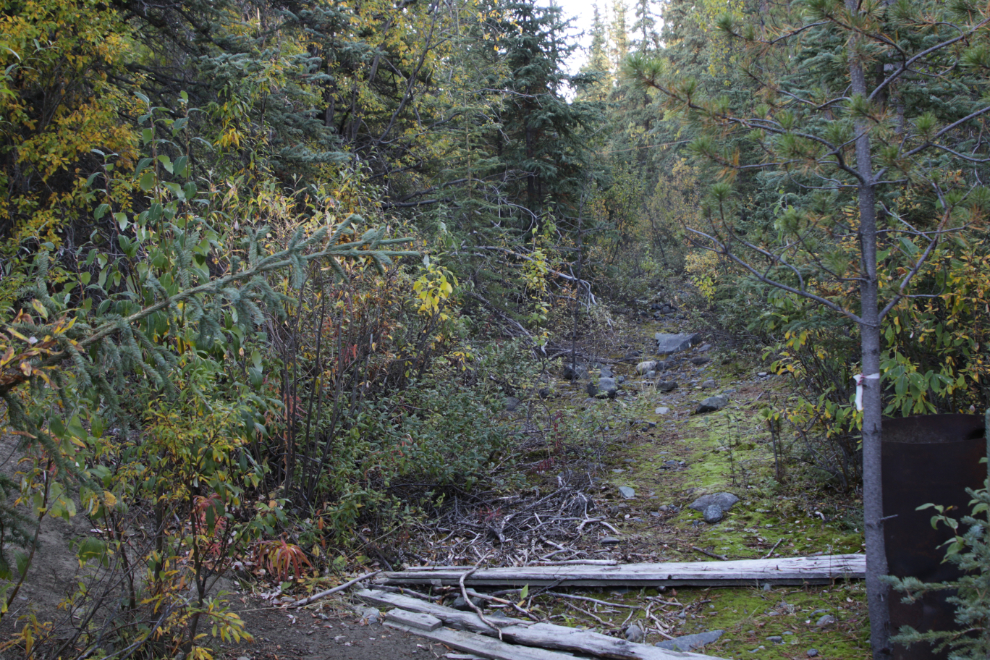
[301, 296]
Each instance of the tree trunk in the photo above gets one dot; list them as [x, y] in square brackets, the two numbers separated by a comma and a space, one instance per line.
[876, 556]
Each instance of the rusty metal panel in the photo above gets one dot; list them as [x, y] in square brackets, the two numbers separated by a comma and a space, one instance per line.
[926, 458]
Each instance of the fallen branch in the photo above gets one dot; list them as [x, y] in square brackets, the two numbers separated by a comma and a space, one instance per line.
[477, 610]
[324, 594]
[779, 541]
[710, 554]
[590, 600]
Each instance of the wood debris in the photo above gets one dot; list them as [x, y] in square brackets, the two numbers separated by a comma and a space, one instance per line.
[523, 636]
[745, 572]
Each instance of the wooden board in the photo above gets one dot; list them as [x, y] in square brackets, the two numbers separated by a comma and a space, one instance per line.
[752, 572]
[486, 647]
[527, 633]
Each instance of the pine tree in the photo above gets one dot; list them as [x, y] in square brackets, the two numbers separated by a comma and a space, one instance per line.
[645, 26]
[620, 34]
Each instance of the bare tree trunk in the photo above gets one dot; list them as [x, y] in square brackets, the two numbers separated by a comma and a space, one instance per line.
[876, 556]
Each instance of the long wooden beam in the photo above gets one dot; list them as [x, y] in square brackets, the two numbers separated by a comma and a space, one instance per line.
[526, 633]
[788, 570]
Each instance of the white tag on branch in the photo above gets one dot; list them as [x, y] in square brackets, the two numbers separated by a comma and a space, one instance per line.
[859, 378]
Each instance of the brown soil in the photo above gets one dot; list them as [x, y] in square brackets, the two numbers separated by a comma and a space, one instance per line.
[279, 635]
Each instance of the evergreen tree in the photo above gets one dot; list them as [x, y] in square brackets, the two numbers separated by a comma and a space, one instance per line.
[645, 26]
[620, 34]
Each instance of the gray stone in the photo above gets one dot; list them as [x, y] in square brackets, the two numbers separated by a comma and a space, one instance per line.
[667, 343]
[666, 386]
[776, 639]
[689, 643]
[575, 372]
[651, 374]
[620, 380]
[704, 348]
[812, 653]
[725, 501]
[591, 389]
[461, 604]
[700, 360]
[607, 387]
[713, 514]
[662, 410]
[826, 620]
[767, 587]
[712, 403]
[627, 492]
[646, 366]
[511, 403]
[605, 372]
[371, 615]
[610, 540]
[635, 634]
[708, 384]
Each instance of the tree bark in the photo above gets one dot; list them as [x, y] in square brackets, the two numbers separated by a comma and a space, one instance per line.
[876, 556]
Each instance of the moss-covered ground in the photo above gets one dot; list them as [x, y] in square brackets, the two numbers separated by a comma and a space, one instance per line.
[672, 458]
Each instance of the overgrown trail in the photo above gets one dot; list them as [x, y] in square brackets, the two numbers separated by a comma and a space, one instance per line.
[633, 464]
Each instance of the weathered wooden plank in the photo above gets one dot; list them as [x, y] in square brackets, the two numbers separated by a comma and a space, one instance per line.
[486, 647]
[413, 619]
[526, 633]
[787, 570]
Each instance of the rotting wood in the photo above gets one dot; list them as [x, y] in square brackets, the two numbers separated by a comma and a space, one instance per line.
[526, 634]
[780, 570]
[486, 647]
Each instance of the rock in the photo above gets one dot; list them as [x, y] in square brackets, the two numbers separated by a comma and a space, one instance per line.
[627, 492]
[667, 343]
[812, 653]
[662, 410]
[543, 393]
[767, 587]
[666, 386]
[700, 360]
[575, 372]
[643, 367]
[762, 374]
[610, 540]
[725, 501]
[776, 639]
[591, 389]
[713, 514]
[632, 354]
[708, 384]
[705, 348]
[635, 634]
[370, 614]
[620, 380]
[826, 620]
[651, 374]
[607, 387]
[605, 372]
[689, 643]
[511, 403]
[712, 403]
[461, 604]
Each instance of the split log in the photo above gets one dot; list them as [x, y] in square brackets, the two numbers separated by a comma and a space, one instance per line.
[528, 634]
[486, 647]
[744, 572]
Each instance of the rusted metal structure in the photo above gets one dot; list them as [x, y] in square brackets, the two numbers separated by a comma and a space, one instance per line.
[926, 459]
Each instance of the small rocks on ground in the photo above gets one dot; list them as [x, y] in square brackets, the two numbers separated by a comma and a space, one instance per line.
[688, 643]
[709, 384]
[826, 620]
[662, 410]
[610, 540]
[666, 386]
[712, 403]
[607, 387]
[646, 366]
[700, 360]
[511, 403]
[812, 653]
[627, 492]
[776, 639]
[635, 634]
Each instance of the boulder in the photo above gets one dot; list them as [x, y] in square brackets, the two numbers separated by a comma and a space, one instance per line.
[607, 387]
[591, 389]
[688, 643]
[605, 372]
[575, 372]
[648, 365]
[666, 385]
[712, 403]
[725, 501]
[668, 343]
[713, 514]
